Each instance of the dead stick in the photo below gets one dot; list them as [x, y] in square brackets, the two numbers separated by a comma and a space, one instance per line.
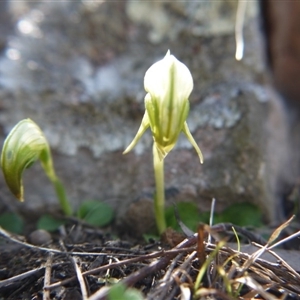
[120, 263]
[47, 279]
[146, 271]
[56, 251]
[10, 280]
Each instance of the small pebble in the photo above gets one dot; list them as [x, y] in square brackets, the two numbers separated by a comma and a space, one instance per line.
[39, 237]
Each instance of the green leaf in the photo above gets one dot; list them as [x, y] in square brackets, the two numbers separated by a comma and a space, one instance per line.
[11, 222]
[188, 214]
[96, 213]
[241, 214]
[119, 291]
[49, 223]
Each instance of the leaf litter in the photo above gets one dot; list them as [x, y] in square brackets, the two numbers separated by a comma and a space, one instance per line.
[84, 262]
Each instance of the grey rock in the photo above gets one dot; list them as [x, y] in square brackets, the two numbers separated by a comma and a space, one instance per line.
[77, 70]
[40, 237]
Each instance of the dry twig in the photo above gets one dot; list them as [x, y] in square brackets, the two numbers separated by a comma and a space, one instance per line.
[47, 279]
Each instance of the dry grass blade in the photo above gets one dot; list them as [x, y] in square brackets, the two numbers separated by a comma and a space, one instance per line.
[80, 278]
[290, 237]
[179, 276]
[250, 282]
[285, 264]
[164, 284]
[278, 230]
[207, 292]
[263, 249]
[185, 292]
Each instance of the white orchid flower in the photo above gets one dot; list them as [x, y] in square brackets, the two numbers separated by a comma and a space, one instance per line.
[169, 84]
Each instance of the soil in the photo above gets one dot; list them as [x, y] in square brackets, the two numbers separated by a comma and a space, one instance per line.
[78, 261]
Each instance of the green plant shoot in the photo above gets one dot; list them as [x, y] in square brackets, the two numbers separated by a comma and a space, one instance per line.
[24, 145]
[168, 84]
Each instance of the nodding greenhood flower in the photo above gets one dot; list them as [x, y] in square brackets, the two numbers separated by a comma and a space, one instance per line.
[24, 145]
[21, 149]
[169, 84]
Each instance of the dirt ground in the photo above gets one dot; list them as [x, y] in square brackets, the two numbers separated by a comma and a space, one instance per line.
[77, 261]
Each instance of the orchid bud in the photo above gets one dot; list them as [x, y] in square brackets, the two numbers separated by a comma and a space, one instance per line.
[21, 149]
[168, 84]
[24, 145]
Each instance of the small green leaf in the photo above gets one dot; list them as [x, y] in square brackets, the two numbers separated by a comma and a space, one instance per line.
[188, 213]
[241, 214]
[96, 213]
[119, 291]
[47, 222]
[11, 222]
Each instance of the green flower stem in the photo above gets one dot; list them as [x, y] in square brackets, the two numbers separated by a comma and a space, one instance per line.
[62, 198]
[47, 164]
[159, 199]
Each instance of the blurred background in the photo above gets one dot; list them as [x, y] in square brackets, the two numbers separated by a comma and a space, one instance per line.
[76, 68]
